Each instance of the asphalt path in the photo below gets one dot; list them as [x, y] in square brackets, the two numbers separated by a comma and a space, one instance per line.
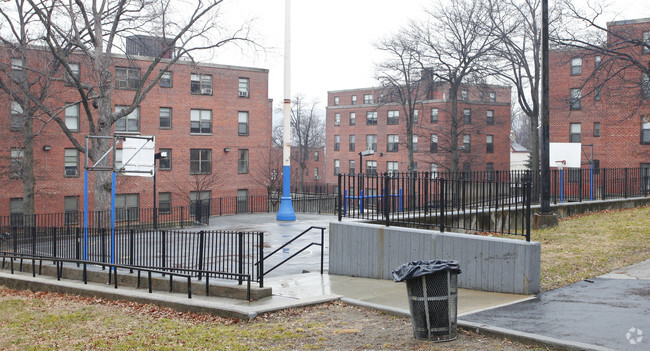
[610, 311]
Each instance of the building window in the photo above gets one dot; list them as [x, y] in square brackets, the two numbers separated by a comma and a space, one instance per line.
[336, 101]
[164, 203]
[576, 66]
[595, 164]
[71, 164]
[371, 142]
[597, 61]
[493, 97]
[71, 210]
[165, 80]
[646, 42]
[574, 174]
[354, 99]
[645, 176]
[645, 86]
[597, 92]
[16, 211]
[165, 114]
[367, 99]
[316, 174]
[127, 207]
[200, 161]
[242, 166]
[393, 117]
[467, 116]
[353, 118]
[337, 167]
[434, 143]
[434, 115]
[75, 76]
[242, 124]
[16, 162]
[337, 142]
[415, 143]
[393, 142]
[201, 121]
[415, 116]
[645, 131]
[392, 168]
[353, 140]
[244, 86]
[371, 167]
[463, 95]
[129, 123]
[489, 171]
[200, 200]
[596, 129]
[371, 118]
[489, 144]
[351, 167]
[72, 117]
[574, 131]
[201, 84]
[316, 155]
[434, 170]
[17, 70]
[490, 117]
[127, 78]
[576, 97]
[16, 116]
[467, 143]
[337, 119]
[165, 164]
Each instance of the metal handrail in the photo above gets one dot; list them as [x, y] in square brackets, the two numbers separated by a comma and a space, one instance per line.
[112, 272]
[321, 244]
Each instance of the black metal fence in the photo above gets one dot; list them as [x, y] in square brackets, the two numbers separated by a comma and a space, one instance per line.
[462, 201]
[169, 250]
[584, 184]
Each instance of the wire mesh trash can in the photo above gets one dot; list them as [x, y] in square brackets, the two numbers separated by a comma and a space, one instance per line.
[432, 288]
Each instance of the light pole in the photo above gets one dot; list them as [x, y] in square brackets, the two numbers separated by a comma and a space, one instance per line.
[156, 156]
[364, 153]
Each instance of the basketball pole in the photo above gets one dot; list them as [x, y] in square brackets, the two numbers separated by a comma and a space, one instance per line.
[286, 213]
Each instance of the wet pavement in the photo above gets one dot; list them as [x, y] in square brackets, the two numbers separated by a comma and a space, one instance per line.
[610, 311]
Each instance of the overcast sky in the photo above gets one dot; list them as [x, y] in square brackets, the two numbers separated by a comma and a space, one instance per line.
[332, 41]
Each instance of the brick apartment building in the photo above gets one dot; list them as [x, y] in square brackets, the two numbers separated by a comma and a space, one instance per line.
[359, 119]
[313, 172]
[213, 120]
[612, 113]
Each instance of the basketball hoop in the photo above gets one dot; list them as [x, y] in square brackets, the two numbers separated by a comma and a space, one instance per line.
[560, 164]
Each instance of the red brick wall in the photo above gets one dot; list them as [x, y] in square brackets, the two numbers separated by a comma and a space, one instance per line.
[619, 111]
[478, 130]
[225, 104]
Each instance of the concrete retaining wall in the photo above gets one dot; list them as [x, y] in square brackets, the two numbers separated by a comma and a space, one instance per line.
[488, 264]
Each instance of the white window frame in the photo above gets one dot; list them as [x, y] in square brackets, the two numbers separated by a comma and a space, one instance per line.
[203, 118]
[200, 84]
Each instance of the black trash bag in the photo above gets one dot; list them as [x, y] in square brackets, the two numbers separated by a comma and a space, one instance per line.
[419, 268]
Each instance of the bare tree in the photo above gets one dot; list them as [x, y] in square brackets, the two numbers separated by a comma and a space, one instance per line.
[267, 172]
[400, 76]
[26, 75]
[93, 33]
[308, 130]
[623, 72]
[456, 40]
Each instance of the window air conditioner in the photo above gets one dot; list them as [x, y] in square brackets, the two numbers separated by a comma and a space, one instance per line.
[243, 94]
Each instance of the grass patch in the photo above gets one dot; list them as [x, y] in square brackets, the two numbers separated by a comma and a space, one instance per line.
[586, 246]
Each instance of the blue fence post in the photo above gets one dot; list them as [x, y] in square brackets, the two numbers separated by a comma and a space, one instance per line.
[401, 208]
[345, 202]
[561, 185]
[361, 202]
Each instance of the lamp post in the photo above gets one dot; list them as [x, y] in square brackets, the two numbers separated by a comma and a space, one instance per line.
[364, 153]
[157, 156]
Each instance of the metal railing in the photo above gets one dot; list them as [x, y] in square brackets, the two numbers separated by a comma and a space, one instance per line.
[321, 244]
[422, 200]
[227, 254]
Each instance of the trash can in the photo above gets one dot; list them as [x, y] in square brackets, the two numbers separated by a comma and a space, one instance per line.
[432, 288]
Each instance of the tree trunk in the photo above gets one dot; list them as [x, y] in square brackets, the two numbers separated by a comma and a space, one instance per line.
[29, 181]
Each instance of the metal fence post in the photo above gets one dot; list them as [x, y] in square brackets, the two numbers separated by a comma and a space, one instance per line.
[240, 259]
[625, 189]
[340, 201]
[77, 237]
[54, 242]
[34, 241]
[527, 186]
[260, 266]
[386, 199]
[131, 249]
[163, 238]
[443, 204]
[201, 243]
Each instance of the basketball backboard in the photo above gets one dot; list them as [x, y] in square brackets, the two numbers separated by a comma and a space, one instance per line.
[566, 154]
[138, 156]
